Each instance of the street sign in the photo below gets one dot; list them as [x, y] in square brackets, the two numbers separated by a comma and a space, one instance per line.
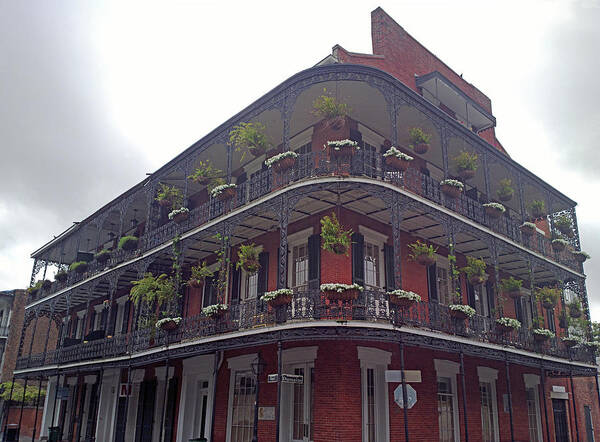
[286, 378]
[411, 396]
[394, 376]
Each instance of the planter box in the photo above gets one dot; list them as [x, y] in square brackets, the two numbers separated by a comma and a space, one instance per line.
[280, 300]
[226, 194]
[451, 191]
[493, 213]
[181, 217]
[402, 303]
[284, 164]
[426, 260]
[397, 163]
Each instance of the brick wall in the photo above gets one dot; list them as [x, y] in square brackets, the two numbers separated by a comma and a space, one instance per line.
[14, 335]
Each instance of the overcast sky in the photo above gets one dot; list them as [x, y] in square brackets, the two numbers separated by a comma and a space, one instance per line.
[93, 95]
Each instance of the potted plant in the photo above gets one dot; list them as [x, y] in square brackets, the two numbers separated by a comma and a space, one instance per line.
[403, 299]
[511, 287]
[248, 258]
[61, 276]
[278, 297]
[329, 108]
[559, 244]
[249, 137]
[128, 243]
[397, 160]
[563, 224]
[153, 294]
[505, 192]
[572, 341]
[179, 215]
[205, 173]
[466, 164]
[537, 208]
[168, 324]
[282, 162]
[103, 256]
[548, 296]
[215, 311]
[461, 311]
[223, 192]
[342, 148]
[333, 236]
[422, 253]
[507, 325]
[46, 284]
[494, 210]
[169, 196]
[527, 228]
[541, 335]
[79, 267]
[580, 256]
[574, 308]
[341, 292]
[34, 289]
[199, 274]
[451, 188]
[475, 270]
[418, 140]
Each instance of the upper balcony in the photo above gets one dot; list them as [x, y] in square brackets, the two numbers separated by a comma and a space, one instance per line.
[381, 112]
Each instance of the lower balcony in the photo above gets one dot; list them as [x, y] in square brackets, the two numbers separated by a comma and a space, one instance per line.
[308, 307]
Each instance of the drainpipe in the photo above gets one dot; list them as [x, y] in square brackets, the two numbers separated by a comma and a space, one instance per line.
[278, 410]
[218, 362]
[464, 393]
[510, 411]
[404, 398]
[545, 405]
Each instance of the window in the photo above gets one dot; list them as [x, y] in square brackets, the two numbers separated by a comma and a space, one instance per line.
[533, 407]
[589, 424]
[444, 288]
[375, 404]
[300, 265]
[210, 290]
[373, 257]
[201, 409]
[242, 393]
[489, 408]
[250, 290]
[447, 398]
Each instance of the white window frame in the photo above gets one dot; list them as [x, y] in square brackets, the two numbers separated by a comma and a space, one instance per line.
[214, 267]
[120, 316]
[490, 376]
[80, 324]
[378, 239]
[533, 381]
[378, 360]
[244, 276]
[296, 239]
[443, 262]
[449, 369]
[236, 364]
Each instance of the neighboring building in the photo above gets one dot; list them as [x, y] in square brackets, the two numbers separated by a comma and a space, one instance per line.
[112, 379]
[6, 308]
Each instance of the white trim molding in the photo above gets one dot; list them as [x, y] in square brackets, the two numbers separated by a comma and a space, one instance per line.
[298, 355]
[375, 356]
[487, 374]
[531, 380]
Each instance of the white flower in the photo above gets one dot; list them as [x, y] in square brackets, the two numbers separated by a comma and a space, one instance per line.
[405, 294]
[269, 296]
[574, 338]
[560, 241]
[496, 206]
[212, 310]
[529, 225]
[392, 151]
[219, 189]
[160, 322]
[173, 213]
[453, 183]
[467, 310]
[340, 288]
[509, 322]
[581, 253]
[543, 332]
[337, 145]
[276, 158]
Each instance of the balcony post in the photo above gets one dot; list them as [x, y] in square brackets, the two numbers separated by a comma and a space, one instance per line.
[494, 253]
[110, 327]
[55, 398]
[34, 271]
[53, 305]
[37, 403]
[284, 216]
[532, 301]
[279, 371]
[37, 314]
[229, 162]
[486, 177]
[286, 115]
[404, 398]
[574, 404]
[164, 399]
[6, 407]
[521, 196]
[21, 411]
[464, 394]
[396, 217]
[509, 392]
[575, 227]
[543, 376]
[444, 137]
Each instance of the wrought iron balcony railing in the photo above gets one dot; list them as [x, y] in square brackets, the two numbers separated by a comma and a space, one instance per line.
[308, 307]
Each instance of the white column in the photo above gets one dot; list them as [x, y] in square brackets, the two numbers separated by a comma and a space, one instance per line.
[90, 380]
[105, 427]
[159, 372]
[137, 376]
[49, 405]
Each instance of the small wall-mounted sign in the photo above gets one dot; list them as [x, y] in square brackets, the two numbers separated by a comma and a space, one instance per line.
[124, 390]
[413, 376]
[266, 413]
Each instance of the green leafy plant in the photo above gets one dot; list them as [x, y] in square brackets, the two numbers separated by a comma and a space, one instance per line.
[326, 106]
[78, 267]
[506, 191]
[574, 308]
[103, 255]
[511, 285]
[169, 196]
[205, 172]
[417, 136]
[419, 249]
[61, 276]
[249, 137]
[537, 322]
[153, 289]
[475, 270]
[248, 258]
[466, 161]
[199, 274]
[35, 288]
[538, 208]
[223, 264]
[128, 243]
[28, 396]
[548, 296]
[334, 238]
[563, 224]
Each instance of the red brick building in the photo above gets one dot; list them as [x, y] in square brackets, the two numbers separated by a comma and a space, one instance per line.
[326, 309]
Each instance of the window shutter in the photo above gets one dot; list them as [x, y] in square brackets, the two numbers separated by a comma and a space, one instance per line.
[104, 319]
[263, 273]
[432, 282]
[314, 260]
[550, 318]
[125, 323]
[358, 258]
[471, 294]
[90, 322]
[113, 319]
[235, 285]
[491, 300]
[170, 409]
[519, 310]
[388, 253]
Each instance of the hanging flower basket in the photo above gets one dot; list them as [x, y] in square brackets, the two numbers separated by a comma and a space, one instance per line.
[61, 276]
[277, 298]
[79, 267]
[547, 305]
[494, 210]
[257, 151]
[282, 162]
[514, 294]
[558, 245]
[421, 148]
[168, 324]
[580, 256]
[215, 311]
[452, 188]
[103, 256]
[478, 279]
[46, 284]
[466, 174]
[542, 335]
[528, 229]
[128, 243]
[403, 299]
[397, 160]
[342, 149]
[251, 266]
[461, 311]
[165, 203]
[180, 215]
[426, 260]
[341, 292]
[507, 325]
[223, 192]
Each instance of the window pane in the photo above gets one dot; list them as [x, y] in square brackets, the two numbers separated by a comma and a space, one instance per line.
[445, 410]
[242, 422]
[487, 416]
[532, 415]
[300, 265]
[298, 401]
[371, 265]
